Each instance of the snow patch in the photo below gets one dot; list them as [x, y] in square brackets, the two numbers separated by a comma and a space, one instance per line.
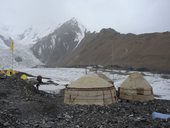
[78, 39]
[50, 88]
[80, 35]
[53, 40]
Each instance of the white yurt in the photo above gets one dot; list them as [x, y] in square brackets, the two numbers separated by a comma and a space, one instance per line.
[90, 89]
[136, 88]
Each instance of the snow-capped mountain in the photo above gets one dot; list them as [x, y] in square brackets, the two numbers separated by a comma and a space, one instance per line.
[59, 39]
[70, 45]
[23, 41]
[22, 55]
[32, 34]
[53, 48]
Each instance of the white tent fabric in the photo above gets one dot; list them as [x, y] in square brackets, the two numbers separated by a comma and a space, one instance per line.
[136, 88]
[105, 77]
[90, 81]
[90, 89]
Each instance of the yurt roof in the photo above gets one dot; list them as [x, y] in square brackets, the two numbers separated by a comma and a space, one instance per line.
[104, 77]
[134, 81]
[90, 81]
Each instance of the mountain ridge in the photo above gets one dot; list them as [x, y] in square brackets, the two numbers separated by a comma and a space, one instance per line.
[148, 51]
[70, 44]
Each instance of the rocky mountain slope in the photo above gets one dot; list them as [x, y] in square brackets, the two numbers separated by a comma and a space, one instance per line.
[148, 51]
[52, 49]
[108, 47]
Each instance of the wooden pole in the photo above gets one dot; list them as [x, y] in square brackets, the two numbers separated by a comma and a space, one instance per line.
[12, 59]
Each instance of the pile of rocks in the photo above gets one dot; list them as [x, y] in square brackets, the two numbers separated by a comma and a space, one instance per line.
[22, 106]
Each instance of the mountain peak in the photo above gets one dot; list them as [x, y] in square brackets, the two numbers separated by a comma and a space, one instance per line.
[72, 21]
[61, 42]
[108, 30]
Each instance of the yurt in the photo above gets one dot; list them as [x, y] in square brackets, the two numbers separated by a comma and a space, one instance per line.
[136, 88]
[90, 89]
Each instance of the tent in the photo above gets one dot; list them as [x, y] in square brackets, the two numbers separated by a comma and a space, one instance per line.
[90, 89]
[2, 72]
[8, 72]
[24, 77]
[136, 88]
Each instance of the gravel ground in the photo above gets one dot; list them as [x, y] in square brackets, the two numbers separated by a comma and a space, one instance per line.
[22, 106]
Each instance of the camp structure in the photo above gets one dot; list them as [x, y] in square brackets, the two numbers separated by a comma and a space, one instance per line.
[136, 88]
[8, 72]
[90, 89]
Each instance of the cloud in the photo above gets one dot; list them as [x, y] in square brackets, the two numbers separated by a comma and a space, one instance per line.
[134, 16]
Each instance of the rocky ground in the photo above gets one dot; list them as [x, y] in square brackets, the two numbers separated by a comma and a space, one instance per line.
[22, 106]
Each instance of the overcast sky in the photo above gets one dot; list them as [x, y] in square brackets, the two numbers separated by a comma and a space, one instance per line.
[125, 16]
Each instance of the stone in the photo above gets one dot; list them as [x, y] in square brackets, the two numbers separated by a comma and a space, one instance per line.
[6, 124]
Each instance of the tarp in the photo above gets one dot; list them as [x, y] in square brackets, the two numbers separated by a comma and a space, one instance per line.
[156, 115]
